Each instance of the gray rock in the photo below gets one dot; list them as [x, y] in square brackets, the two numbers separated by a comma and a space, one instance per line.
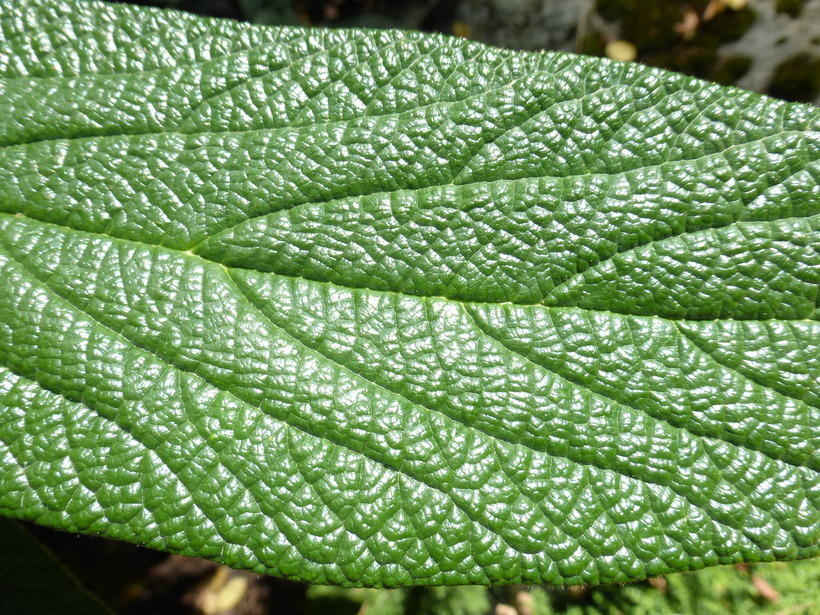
[524, 24]
[774, 38]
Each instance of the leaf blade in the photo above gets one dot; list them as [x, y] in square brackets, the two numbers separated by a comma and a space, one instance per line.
[372, 350]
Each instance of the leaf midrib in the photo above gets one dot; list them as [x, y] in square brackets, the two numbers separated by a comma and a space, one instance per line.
[463, 308]
[192, 254]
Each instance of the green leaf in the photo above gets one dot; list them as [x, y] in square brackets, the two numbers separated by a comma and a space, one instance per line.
[384, 308]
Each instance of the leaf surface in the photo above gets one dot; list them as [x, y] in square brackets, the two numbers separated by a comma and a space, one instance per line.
[388, 308]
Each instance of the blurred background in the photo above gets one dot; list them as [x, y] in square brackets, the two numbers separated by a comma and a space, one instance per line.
[769, 46]
[131, 580]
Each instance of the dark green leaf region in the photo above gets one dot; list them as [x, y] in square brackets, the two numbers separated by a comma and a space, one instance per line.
[387, 308]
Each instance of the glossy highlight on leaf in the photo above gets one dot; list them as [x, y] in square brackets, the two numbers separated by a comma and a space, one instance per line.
[388, 309]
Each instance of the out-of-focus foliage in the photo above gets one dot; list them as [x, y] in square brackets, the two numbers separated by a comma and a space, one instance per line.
[27, 567]
[270, 12]
[178, 585]
[782, 589]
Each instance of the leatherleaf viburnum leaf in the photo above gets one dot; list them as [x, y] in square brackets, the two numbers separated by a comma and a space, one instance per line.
[388, 308]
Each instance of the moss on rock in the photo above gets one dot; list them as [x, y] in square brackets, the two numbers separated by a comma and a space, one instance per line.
[790, 7]
[797, 78]
[728, 69]
[653, 27]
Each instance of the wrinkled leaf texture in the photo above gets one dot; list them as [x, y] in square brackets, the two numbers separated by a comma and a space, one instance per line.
[389, 308]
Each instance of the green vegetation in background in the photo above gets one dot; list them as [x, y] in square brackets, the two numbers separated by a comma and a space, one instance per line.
[34, 581]
[793, 8]
[797, 78]
[791, 589]
[651, 26]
